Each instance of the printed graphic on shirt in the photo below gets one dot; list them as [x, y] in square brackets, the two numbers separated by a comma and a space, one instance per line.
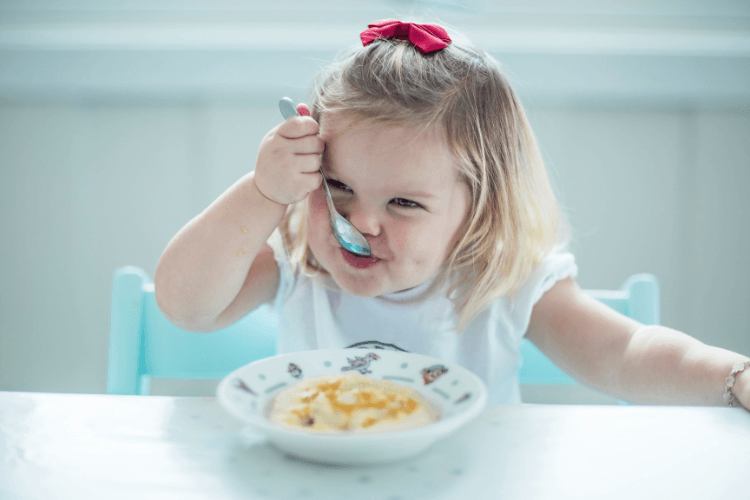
[432, 373]
[361, 364]
[295, 370]
[374, 344]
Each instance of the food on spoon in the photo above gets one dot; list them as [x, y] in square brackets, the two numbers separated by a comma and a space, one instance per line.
[350, 402]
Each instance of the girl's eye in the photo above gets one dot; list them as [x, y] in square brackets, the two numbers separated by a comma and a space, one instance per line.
[338, 185]
[401, 202]
[406, 203]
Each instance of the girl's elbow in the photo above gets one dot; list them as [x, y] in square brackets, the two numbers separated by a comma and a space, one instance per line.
[177, 311]
[182, 319]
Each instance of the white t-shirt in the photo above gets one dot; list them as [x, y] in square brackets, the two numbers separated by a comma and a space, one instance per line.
[314, 317]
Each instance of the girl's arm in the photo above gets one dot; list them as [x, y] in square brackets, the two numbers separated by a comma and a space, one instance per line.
[617, 355]
[219, 267]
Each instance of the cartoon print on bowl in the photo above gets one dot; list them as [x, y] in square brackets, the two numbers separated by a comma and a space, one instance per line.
[295, 370]
[432, 373]
[360, 364]
[463, 398]
[240, 384]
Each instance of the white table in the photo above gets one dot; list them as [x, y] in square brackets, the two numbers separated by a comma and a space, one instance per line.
[80, 447]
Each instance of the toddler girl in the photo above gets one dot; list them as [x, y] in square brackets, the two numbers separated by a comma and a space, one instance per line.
[428, 153]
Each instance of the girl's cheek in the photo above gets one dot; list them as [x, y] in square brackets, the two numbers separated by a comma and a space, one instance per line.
[317, 209]
[316, 199]
[405, 236]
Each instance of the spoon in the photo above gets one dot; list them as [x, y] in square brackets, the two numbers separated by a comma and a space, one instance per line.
[346, 234]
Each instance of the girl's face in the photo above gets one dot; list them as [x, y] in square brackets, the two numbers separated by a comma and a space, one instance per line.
[400, 190]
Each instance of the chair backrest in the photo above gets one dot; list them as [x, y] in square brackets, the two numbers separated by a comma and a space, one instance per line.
[143, 344]
[637, 298]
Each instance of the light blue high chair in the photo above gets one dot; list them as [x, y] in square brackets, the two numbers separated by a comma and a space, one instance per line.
[143, 344]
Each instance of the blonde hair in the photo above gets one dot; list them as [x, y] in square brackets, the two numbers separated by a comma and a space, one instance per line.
[513, 221]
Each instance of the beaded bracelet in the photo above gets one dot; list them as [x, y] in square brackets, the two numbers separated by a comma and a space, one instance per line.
[728, 396]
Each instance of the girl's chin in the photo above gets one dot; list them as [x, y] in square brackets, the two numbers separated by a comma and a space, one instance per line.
[361, 287]
[341, 274]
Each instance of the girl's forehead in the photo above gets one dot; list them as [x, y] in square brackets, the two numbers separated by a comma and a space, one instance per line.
[399, 139]
[333, 125]
[392, 156]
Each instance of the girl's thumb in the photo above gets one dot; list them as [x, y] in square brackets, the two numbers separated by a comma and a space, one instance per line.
[303, 110]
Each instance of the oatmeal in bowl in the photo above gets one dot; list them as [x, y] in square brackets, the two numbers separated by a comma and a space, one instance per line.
[351, 403]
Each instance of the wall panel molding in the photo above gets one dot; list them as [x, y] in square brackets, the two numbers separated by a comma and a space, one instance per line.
[555, 53]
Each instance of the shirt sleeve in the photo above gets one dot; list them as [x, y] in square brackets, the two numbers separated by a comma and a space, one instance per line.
[558, 265]
[286, 277]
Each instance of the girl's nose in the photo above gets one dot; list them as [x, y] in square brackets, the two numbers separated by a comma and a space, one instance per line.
[365, 220]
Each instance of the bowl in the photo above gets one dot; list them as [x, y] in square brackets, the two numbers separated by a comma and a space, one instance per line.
[457, 394]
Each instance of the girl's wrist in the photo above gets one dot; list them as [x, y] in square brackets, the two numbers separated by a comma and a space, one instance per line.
[262, 194]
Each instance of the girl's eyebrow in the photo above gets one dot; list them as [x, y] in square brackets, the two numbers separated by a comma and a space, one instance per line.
[331, 170]
[420, 194]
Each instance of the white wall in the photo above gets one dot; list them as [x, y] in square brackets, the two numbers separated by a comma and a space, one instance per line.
[93, 178]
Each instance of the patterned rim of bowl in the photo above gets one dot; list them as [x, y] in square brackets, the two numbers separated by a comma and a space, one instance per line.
[457, 392]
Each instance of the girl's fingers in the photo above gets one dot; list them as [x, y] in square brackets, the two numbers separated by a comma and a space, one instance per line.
[312, 144]
[298, 126]
[309, 164]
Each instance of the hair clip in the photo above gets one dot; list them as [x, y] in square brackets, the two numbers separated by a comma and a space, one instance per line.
[426, 37]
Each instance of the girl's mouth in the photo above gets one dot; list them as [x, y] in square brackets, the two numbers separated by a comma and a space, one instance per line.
[358, 262]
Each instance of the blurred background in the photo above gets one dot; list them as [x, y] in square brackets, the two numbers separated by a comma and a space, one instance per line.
[120, 121]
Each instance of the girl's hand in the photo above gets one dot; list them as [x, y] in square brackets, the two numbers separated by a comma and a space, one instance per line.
[286, 169]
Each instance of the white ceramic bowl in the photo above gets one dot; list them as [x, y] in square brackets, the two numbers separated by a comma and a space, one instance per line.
[455, 391]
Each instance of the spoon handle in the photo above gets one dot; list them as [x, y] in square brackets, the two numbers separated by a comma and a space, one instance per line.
[331, 208]
[287, 108]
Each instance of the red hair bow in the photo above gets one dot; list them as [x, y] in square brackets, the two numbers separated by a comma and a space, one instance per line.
[426, 37]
